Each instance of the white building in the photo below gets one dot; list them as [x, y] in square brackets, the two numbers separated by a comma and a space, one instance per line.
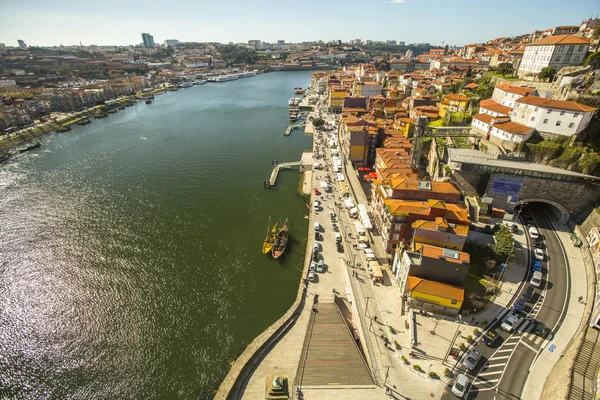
[371, 89]
[501, 130]
[7, 82]
[494, 109]
[566, 118]
[553, 51]
[171, 42]
[506, 95]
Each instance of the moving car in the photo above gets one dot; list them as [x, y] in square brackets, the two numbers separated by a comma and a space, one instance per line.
[511, 321]
[460, 385]
[527, 293]
[536, 279]
[539, 254]
[540, 329]
[470, 362]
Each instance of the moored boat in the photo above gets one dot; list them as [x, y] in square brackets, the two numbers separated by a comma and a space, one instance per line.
[30, 147]
[270, 238]
[84, 121]
[63, 129]
[4, 157]
[148, 101]
[281, 241]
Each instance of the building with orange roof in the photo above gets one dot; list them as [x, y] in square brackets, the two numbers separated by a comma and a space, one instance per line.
[454, 103]
[553, 51]
[359, 138]
[440, 233]
[501, 130]
[413, 189]
[494, 109]
[558, 117]
[506, 94]
[435, 297]
[394, 218]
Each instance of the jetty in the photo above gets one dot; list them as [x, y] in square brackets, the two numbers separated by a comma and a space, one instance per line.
[290, 128]
[276, 168]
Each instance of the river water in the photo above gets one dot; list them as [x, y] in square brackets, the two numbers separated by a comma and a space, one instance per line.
[130, 248]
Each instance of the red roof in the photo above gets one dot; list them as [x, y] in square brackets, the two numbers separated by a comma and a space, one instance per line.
[559, 39]
[558, 104]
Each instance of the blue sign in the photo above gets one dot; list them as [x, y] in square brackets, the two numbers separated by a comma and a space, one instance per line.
[552, 348]
[507, 186]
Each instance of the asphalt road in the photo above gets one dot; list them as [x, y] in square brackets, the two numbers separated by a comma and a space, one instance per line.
[504, 367]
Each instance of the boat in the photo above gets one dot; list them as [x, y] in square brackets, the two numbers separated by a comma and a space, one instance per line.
[4, 157]
[30, 147]
[103, 115]
[148, 101]
[293, 118]
[84, 121]
[112, 111]
[297, 101]
[270, 238]
[291, 101]
[298, 90]
[121, 107]
[63, 129]
[202, 82]
[281, 241]
[187, 84]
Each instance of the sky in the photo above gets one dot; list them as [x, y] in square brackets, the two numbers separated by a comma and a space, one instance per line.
[112, 22]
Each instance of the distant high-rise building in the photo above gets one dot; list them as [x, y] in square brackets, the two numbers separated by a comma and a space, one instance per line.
[357, 41]
[402, 43]
[281, 42]
[171, 42]
[2, 49]
[148, 40]
[22, 44]
[390, 42]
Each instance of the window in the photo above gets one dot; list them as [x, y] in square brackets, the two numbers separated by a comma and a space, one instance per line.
[561, 48]
[575, 115]
[453, 302]
[557, 123]
[397, 227]
[535, 109]
[546, 121]
[571, 125]
[532, 119]
[396, 236]
[576, 58]
[562, 113]
[580, 48]
[571, 48]
[557, 59]
[549, 111]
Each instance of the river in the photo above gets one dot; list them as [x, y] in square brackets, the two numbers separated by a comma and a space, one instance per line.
[130, 248]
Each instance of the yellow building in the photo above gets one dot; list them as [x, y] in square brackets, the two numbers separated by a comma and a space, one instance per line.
[406, 126]
[454, 103]
[434, 296]
[335, 101]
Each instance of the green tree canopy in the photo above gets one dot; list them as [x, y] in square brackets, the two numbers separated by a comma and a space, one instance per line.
[547, 74]
[506, 69]
[237, 54]
[318, 122]
[593, 60]
[504, 244]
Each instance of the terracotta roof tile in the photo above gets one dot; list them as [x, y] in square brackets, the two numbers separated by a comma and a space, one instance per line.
[435, 288]
[559, 39]
[523, 91]
[558, 104]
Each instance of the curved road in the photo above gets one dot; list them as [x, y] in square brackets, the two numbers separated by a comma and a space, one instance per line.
[504, 368]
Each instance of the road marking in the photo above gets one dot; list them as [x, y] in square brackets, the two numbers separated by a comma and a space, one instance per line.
[494, 365]
[491, 373]
[529, 347]
[501, 358]
[504, 351]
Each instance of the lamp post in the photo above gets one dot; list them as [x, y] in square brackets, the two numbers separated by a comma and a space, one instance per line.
[387, 373]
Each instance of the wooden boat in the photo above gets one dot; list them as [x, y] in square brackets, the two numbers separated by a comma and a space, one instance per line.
[281, 241]
[270, 238]
[84, 121]
[63, 129]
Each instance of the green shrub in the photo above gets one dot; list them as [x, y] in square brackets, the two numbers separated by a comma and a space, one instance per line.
[404, 360]
[433, 375]
[484, 323]
[396, 344]
[469, 338]
[462, 347]
[475, 331]
[447, 372]
[392, 329]
[417, 367]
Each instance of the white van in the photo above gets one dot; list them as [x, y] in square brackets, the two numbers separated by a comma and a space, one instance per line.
[536, 279]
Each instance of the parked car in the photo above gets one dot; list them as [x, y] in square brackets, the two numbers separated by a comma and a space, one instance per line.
[313, 266]
[317, 236]
[320, 267]
[537, 266]
[539, 329]
[335, 227]
[311, 276]
[461, 384]
[315, 256]
[490, 337]
[338, 237]
[317, 192]
[539, 254]
[519, 305]
[470, 362]
[316, 247]
[510, 322]
[536, 279]
[515, 228]
[533, 232]
[317, 227]
[339, 246]
[527, 293]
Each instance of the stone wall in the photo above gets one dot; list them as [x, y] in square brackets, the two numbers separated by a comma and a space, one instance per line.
[468, 182]
[572, 198]
[591, 221]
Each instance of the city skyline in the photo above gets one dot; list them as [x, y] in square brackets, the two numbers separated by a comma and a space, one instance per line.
[452, 22]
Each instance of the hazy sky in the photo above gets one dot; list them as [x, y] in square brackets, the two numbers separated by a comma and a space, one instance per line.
[458, 22]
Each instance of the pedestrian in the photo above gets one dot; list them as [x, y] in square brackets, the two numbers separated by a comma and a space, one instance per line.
[375, 318]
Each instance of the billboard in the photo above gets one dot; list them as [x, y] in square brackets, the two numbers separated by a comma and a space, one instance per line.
[508, 186]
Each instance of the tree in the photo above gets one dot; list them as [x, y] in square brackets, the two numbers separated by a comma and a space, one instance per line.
[547, 73]
[318, 122]
[593, 60]
[469, 73]
[505, 69]
[503, 247]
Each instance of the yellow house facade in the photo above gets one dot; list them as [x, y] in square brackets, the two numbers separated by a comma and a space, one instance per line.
[434, 296]
[336, 99]
[454, 103]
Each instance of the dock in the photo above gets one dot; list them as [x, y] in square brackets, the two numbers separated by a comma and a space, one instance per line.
[290, 128]
[277, 168]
